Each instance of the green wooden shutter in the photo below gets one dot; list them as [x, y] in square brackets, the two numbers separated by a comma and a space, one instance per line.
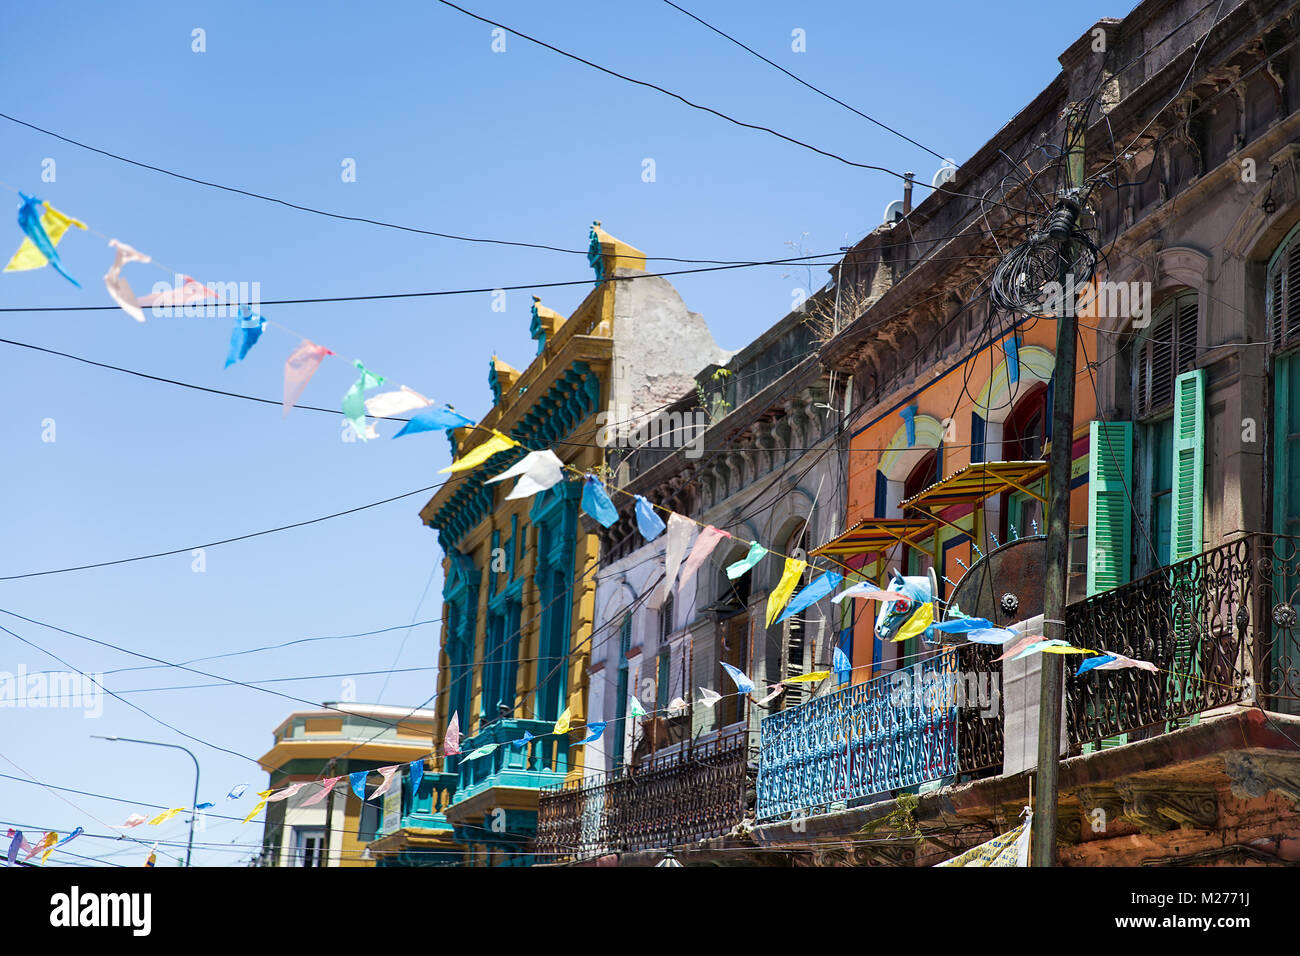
[1110, 516]
[1189, 465]
[1185, 538]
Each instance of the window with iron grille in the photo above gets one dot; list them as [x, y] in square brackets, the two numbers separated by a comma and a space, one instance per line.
[1162, 352]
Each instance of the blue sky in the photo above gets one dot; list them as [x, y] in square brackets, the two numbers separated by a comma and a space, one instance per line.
[446, 135]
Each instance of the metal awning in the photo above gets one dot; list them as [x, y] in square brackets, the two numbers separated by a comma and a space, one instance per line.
[977, 482]
[872, 535]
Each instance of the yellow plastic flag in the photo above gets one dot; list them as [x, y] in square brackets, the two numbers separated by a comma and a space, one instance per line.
[52, 839]
[780, 596]
[497, 443]
[165, 816]
[1066, 650]
[55, 224]
[807, 678]
[922, 618]
[256, 810]
[562, 725]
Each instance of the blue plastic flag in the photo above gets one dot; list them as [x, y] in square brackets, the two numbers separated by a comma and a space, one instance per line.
[739, 677]
[594, 731]
[433, 419]
[813, 593]
[648, 523]
[842, 666]
[522, 741]
[204, 806]
[417, 774]
[1092, 662]
[14, 846]
[29, 221]
[963, 624]
[71, 836]
[595, 501]
[248, 329]
[358, 781]
[237, 791]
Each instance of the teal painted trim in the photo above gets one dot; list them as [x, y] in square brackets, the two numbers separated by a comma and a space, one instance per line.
[594, 258]
[536, 331]
[1283, 369]
[529, 766]
[552, 417]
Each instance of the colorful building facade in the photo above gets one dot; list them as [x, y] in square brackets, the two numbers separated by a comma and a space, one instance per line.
[342, 739]
[519, 579]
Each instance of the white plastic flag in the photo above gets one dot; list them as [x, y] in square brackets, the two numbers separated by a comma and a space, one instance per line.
[709, 697]
[536, 471]
[679, 536]
[388, 404]
[118, 288]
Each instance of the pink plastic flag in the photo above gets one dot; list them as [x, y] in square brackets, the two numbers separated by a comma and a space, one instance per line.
[451, 742]
[298, 370]
[134, 820]
[1027, 641]
[1120, 662]
[190, 290]
[47, 840]
[286, 793]
[777, 691]
[388, 774]
[119, 289]
[679, 536]
[326, 786]
[704, 545]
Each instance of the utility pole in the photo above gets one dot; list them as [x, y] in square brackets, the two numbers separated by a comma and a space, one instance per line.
[1061, 227]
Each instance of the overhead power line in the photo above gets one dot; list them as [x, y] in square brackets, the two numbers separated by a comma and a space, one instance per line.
[803, 82]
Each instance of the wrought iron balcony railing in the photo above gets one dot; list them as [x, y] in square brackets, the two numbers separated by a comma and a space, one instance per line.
[682, 796]
[936, 719]
[1214, 625]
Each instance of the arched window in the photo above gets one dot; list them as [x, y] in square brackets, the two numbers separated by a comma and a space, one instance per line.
[1025, 429]
[1161, 352]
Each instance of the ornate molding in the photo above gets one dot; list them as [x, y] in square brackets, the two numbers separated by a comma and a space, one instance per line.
[1156, 809]
[1252, 776]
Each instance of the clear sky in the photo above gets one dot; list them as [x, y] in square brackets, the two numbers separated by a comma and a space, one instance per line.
[446, 135]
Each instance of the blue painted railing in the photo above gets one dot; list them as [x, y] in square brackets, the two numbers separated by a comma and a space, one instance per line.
[895, 731]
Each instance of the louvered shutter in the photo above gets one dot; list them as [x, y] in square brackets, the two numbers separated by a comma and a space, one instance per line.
[1185, 539]
[1110, 516]
[1189, 465]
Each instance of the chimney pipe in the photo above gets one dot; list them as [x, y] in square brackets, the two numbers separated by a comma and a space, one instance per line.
[907, 193]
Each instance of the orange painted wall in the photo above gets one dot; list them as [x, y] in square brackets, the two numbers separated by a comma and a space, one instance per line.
[951, 395]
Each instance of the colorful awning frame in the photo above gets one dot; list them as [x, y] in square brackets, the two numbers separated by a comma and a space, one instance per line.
[874, 535]
[978, 482]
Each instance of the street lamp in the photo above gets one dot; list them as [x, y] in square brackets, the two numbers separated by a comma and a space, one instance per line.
[189, 849]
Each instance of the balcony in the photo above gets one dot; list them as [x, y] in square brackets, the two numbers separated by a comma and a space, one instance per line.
[931, 722]
[685, 795]
[539, 763]
[419, 834]
[1217, 625]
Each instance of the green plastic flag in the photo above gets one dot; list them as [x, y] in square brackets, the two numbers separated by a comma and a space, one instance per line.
[637, 709]
[756, 554]
[354, 402]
